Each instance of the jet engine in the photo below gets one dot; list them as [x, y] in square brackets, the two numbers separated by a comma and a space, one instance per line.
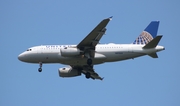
[68, 72]
[68, 52]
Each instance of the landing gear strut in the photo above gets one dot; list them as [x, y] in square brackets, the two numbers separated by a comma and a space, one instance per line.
[89, 61]
[40, 67]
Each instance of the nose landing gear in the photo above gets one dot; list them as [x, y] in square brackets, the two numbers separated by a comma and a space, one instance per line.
[40, 67]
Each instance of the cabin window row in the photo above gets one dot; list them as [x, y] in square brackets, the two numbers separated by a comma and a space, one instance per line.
[96, 47]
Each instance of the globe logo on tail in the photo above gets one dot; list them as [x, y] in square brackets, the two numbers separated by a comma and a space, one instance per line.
[143, 38]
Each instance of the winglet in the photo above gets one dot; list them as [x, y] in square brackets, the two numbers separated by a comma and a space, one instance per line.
[102, 78]
[153, 43]
[111, 17]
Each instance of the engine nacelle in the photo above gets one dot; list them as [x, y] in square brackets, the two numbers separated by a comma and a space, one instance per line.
[68, 52]
[68, 72]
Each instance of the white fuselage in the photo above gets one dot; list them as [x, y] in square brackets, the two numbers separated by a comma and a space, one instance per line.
[103, 53]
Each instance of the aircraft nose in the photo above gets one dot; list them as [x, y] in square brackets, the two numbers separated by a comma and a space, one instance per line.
[21, 57]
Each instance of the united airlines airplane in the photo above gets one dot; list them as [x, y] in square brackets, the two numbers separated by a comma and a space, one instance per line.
[82, 57]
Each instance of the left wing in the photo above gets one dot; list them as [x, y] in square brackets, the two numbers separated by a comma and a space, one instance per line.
[89, 72]
[92, 39]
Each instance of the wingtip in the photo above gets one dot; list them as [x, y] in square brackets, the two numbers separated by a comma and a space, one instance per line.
[111, 17]
[102, 79]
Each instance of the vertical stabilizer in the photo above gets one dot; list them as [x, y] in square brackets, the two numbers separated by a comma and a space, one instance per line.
[149, 33]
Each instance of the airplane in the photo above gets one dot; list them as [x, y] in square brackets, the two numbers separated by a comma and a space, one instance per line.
[89, 52]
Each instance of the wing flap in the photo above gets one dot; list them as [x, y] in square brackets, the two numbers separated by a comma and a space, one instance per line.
[90, 69]
[94, 75]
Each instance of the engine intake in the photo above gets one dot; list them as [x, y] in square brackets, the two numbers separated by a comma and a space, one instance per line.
[68, 72]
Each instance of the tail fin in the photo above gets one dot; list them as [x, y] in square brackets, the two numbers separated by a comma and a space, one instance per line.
[152, 44]
[149, 33]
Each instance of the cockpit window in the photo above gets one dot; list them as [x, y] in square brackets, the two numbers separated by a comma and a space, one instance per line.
[29, 50]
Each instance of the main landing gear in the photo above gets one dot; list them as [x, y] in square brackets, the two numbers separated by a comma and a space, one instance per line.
[88, 75]
[89, 62]
[40, 67]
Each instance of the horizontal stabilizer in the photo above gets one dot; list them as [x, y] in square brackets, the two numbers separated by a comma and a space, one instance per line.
[153, 43]
[153, 55]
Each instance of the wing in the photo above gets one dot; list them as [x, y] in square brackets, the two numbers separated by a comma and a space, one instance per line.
[88, 46]
[92, 39]
[89, 69]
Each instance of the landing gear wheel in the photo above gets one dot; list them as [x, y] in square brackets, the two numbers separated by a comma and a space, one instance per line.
[88, 75]
[40, 69]
[89, 61]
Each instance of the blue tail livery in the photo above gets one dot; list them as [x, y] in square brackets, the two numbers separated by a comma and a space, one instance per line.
[148, 34]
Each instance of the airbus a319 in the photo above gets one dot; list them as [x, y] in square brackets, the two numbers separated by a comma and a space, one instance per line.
[82, 57]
